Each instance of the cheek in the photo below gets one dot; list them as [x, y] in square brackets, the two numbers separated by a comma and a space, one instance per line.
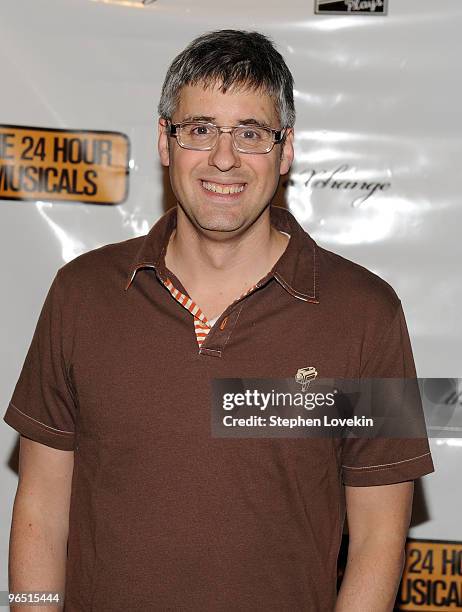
[186, 164]
[266, 170]
[177, 180]
[180, 169]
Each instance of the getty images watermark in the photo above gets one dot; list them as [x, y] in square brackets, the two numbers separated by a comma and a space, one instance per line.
[255, 399]
[370, 408]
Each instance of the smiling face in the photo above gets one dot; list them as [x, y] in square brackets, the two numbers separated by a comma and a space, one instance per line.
[223, 190]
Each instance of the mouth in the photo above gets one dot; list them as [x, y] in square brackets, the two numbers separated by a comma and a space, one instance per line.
[222, 189]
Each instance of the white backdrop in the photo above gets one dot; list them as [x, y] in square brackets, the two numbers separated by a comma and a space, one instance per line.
[378, 149]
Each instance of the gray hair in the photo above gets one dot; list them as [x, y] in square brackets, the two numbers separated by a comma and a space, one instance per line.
[246, 60]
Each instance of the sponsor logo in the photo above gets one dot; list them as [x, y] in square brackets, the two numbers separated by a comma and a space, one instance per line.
[345, 7]
[132, 3]
[432, 577]
[63, 165]
[343, 179]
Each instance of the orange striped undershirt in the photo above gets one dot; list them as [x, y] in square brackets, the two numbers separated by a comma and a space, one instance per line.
[202, 325]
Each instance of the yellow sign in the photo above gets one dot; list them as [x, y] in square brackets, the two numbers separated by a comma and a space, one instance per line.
[432, 578]
[76, 165]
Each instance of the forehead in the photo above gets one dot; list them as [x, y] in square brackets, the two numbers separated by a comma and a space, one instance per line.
[233, 106]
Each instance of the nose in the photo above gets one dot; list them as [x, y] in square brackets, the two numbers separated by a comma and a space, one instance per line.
[223, 155]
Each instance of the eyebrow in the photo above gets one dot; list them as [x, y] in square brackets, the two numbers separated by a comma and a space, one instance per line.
[249, 121]
[198, 118]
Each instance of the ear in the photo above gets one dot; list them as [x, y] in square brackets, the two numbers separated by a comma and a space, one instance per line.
[162, 142]
[287, 152]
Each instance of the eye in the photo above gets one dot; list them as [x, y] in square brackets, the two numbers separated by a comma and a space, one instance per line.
[199, 130]
[251, 134]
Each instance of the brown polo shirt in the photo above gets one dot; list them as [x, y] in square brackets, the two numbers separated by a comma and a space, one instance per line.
[163, 515]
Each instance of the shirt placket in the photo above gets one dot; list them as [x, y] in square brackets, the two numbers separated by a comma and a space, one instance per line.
[202, 326]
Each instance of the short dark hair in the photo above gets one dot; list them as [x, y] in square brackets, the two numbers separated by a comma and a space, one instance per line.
[231, 58]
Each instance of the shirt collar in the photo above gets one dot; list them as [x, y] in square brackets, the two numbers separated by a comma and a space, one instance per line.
[296, 270]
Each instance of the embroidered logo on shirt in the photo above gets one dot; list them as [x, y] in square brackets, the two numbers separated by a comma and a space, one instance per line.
[304, 376]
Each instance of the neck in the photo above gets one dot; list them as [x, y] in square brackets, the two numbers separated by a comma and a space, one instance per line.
[235, 262]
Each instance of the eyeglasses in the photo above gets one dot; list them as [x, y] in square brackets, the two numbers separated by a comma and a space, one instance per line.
[200, 136]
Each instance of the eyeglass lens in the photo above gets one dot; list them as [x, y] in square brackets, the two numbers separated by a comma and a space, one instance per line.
[203, 136]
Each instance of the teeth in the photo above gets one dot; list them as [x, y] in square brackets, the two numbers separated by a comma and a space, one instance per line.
[226, 189]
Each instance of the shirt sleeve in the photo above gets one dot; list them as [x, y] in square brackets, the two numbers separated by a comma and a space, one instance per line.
[43, 407]
[370, 462]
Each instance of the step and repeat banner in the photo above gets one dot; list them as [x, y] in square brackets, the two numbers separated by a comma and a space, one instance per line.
[376, 179]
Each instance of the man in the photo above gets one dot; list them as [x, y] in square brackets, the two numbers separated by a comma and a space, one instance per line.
[113, 402]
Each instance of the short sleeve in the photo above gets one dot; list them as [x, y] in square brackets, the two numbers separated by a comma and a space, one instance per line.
[42, 407]
[370, 462]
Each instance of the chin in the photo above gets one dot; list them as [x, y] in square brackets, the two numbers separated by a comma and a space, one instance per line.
[214, 219]
[219, 223]
[216, 226]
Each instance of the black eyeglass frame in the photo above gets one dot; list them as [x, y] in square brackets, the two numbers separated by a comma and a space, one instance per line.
[278, 135]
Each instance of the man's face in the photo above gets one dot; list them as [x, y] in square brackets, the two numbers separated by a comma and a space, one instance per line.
[198, 177]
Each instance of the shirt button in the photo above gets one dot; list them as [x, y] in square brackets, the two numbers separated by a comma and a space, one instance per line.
[223, 323]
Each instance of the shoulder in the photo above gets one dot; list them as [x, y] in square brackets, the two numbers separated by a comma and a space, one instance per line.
[101, 267]
[366, 313]
[353, 288]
